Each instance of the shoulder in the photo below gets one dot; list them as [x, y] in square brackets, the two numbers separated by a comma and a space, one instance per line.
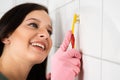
[2, 77]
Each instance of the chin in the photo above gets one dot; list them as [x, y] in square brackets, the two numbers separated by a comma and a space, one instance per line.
[38, 61]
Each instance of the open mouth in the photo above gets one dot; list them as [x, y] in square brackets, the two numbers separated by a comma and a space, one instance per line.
[38, 45]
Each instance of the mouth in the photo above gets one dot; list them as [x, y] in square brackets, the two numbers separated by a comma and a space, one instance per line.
[39, 45]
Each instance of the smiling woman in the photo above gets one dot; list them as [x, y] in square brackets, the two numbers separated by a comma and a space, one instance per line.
[25, 42]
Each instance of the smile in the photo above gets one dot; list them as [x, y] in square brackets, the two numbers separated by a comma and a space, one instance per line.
[39, 45]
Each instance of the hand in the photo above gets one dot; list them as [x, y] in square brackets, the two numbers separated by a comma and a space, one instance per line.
[48, 76]
[65, 63]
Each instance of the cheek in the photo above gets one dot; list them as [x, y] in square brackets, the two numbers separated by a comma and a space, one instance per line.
[20, 38]
[50, 43]
[17, 37]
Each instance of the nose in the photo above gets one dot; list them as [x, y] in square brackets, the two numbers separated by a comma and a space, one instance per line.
[43, 34]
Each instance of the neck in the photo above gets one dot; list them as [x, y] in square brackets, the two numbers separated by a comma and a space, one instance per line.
[14, 68]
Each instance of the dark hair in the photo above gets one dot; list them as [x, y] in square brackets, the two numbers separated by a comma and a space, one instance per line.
[10, 21]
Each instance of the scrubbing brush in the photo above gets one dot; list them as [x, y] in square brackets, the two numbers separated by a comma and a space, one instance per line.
[75, 19]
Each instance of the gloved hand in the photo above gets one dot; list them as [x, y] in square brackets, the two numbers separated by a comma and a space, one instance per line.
[65, 63]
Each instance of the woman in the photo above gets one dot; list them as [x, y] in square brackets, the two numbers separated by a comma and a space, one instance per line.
[25, 41]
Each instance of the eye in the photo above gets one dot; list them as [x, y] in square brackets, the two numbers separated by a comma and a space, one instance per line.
[50, 32]
[34, 25]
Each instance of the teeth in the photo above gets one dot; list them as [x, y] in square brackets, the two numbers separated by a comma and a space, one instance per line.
[39, 45]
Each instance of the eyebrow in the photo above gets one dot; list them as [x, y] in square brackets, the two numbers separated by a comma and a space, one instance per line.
[33, 19]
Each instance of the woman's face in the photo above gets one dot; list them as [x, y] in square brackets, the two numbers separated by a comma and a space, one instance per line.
[32, 39]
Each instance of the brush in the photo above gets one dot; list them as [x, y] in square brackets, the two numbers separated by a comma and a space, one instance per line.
[75, 19]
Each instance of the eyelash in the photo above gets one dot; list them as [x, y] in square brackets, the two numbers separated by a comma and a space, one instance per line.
[34, 25]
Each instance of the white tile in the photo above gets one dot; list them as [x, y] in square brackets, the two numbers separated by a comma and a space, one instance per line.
[6, 5]
[53, 4]
[111, 30]
[91, 27]
[62, 21]
[110, 71]
[43, 2]
[91, 68]
[53, 19]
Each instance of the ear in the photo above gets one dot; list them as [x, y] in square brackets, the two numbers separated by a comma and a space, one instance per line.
[6, 41]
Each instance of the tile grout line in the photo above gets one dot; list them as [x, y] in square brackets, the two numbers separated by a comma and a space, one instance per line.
[103, 59]
[118, 63]
[101, 37]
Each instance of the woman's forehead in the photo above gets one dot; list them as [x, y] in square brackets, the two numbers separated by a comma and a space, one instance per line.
[38, 15]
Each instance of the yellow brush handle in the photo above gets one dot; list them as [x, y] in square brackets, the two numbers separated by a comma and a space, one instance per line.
[73, 28]
[75, 19]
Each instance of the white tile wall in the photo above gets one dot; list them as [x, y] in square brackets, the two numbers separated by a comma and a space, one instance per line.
[6, 5]
[91, 68]
[98, 35]
[111, 30]
[43, 2]
[54, 4]
[62, 21]
[90, 27]
[110, 71]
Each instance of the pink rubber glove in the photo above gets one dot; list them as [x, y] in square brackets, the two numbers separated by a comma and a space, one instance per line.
[65, 63]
